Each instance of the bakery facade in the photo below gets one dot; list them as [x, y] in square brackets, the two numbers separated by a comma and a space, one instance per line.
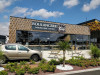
[45, 33]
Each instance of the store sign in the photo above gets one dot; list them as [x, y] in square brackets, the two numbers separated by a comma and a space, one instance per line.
[47, 26]
[61, 28]
[44, 26]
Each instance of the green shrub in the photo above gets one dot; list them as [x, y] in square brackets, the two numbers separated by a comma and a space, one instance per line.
[84, 63]
[13, 64]
[53, 62]
[67, 61]
[79, 57]
[51, 68]
[43, 67]
[94, 63]
[32, 62]
[48, 68]
[20, 71]
[98, 63]
[12, 69]
[7, 66]
[23, 62]
[61, 60]
[1, 57]
[95, 51]
[3, 72]
[43, 61]
[26, 67]
[34, 70]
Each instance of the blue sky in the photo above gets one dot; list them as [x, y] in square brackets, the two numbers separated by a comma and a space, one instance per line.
[64, 11]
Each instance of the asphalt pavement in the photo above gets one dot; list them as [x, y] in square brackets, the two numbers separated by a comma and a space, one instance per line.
[87, 73]
[93, 71]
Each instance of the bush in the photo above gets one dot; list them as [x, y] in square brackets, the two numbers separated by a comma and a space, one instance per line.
[3, 73]
[84, 63]
[95, 51]
[26, 67]
[53, 62]
[13, 64]
[43, 61]
[7, 66]
[33, 70]
[32, 62]
[1, 57]
[61, 60]
[23, 62]
[43, 67]
[20, 71]
[80, 57]
[48, 68]
[51, 68]
[11, 67]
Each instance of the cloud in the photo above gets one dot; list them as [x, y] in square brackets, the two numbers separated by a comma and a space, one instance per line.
[5, 17]
[70, 3]
[50, 1]
[45, 13]
[5, 3]
[4, 28]
[93, 5]
[19, 11]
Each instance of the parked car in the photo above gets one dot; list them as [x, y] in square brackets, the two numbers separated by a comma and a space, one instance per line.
[18, 51]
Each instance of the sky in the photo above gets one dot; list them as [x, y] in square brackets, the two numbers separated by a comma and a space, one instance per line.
[63, 11]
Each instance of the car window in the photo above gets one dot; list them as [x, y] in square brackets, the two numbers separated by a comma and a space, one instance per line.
[10, 47]
[22, 48]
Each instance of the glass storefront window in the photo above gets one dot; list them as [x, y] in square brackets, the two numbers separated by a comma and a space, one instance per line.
[47, 38]
[38, 38]
[82, 41]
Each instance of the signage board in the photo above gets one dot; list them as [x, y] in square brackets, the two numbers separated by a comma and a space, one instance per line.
[48, 26]
[61, 28]
[44, 26]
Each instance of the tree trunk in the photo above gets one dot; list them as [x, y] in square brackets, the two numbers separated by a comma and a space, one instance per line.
[64, 58]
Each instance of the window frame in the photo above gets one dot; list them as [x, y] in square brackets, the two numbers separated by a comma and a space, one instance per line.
[22, 49]
[11, 49]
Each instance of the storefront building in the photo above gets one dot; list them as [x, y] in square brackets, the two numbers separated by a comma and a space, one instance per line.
[94, 26]
[38, 32]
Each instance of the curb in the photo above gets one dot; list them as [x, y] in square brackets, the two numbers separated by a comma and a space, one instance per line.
[73, 72]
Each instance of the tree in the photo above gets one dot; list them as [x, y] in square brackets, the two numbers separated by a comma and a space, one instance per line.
[64, 45]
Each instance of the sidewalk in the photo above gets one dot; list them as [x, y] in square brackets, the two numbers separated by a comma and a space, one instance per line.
[93, 71]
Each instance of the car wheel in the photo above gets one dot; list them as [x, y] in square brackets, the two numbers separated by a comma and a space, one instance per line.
[3, 60]
[35, 58]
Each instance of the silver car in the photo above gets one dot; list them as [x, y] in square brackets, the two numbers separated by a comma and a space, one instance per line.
[18, 51]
